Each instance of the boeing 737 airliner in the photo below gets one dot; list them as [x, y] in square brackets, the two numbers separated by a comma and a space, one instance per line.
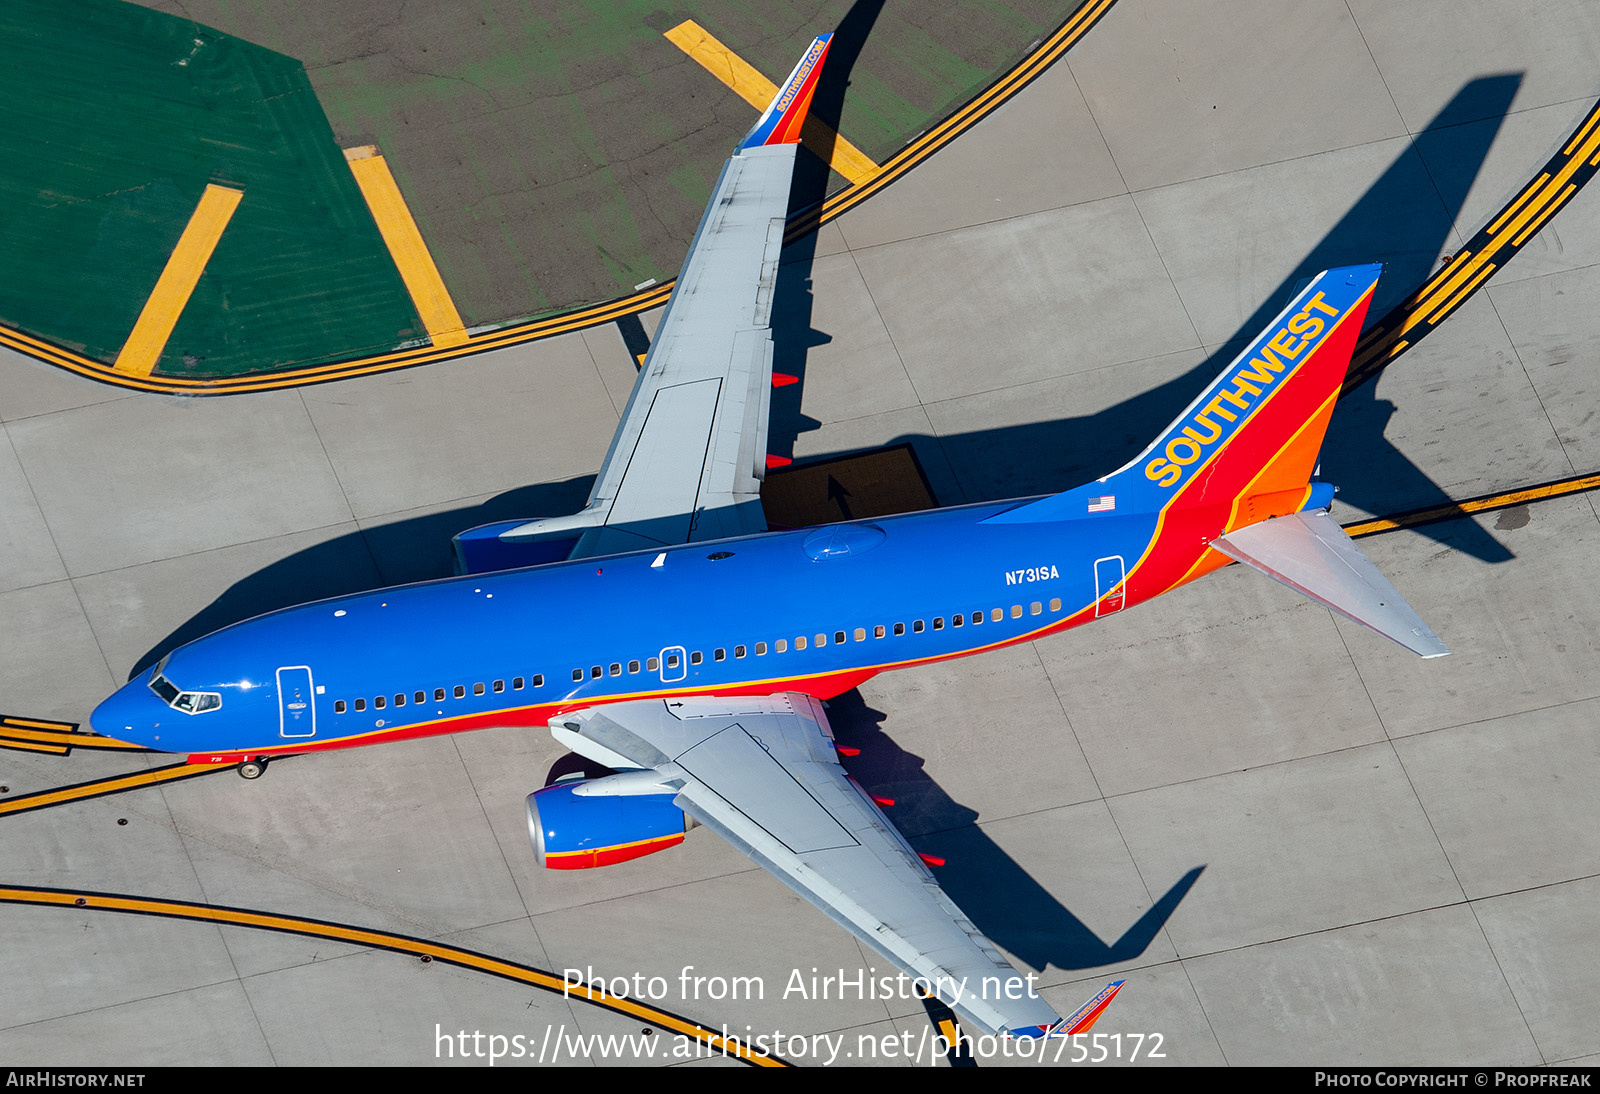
[682, 644]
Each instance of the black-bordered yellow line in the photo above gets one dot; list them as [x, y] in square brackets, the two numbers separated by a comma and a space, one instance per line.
[36, 735]
[395, 943]
[1487, 503]
[1044, 55]
[1470, 268]
[116, 784]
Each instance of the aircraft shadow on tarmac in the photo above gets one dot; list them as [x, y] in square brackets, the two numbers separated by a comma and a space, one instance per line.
[1404, 220]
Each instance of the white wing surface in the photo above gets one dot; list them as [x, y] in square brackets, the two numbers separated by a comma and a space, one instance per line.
[689, 456]
[762, 771]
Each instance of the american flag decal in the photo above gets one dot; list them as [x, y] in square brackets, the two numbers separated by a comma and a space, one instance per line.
[1103, 504]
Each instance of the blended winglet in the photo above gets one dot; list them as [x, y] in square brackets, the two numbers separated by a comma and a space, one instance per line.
[780, 123]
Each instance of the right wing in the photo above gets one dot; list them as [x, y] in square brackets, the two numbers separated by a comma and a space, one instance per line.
[762, 771]
[688, 458]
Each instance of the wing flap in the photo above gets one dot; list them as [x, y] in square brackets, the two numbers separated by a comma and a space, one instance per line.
[1311, 554]
[762, 772]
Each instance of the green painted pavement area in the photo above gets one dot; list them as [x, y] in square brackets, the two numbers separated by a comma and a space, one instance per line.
[113, 119]
[554, 152]
[559, 153]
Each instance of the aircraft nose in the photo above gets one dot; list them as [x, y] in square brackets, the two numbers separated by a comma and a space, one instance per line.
[131, 714]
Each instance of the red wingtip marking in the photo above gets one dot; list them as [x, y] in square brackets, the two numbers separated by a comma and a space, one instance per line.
[931, 860]
[884, 802]
[783, 379]
[777, 461]
[845, 750]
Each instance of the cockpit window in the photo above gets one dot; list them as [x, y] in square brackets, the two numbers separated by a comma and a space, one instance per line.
[163, 687]
[190, 702]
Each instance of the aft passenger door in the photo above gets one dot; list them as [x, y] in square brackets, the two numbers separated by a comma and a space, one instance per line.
[1109, 585]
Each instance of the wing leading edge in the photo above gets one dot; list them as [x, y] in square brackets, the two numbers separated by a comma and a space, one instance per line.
[762, 771]
[688, 458]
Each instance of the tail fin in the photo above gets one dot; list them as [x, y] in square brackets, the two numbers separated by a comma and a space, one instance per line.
[1251, 439]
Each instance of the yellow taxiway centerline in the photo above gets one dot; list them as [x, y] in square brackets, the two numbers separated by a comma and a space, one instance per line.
[755, 89]
[114, 785]
[177, 281]
[411, 256]
[431, 951]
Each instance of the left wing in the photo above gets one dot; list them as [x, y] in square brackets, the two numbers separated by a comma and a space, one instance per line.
[762, 771]
[688, 458]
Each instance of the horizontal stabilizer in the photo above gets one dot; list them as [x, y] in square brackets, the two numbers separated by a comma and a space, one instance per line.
[1310, 553]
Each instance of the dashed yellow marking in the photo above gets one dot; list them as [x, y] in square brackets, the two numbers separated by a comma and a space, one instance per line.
[32, 735]
[755, 89]
[360, 936]
[177, 281]
[411, 256]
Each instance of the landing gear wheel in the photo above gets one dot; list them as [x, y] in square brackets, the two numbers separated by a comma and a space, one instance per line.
[252, 769]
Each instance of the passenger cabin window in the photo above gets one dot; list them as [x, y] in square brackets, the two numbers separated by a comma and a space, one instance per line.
[761, 649]
[378, 703]
[861, 634]
[1055, 604]
[696, 657]
[361, 704]
[654, 663]
[916, 626]
[420, 697]
[577, 675]
[800, 643]
[499, 686]
[780, 646]
[460, 692]
[878, 631]
[738, 651]
[438, 695]
[719, 654]
[899, 629]
[616, 668]
[1035, 608]
[338, 707]
[938, 622]
[957, 620]
[596, 672]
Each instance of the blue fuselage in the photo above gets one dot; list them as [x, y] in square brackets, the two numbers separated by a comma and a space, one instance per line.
[814, 610]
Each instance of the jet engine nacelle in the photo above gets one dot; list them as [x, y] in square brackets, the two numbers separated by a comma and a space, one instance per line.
[595, 822]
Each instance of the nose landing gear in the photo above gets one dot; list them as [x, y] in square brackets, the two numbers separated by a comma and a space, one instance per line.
[253, 768]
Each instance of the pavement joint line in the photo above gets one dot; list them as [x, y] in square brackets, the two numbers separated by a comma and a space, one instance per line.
[998, 93]
[406, 246]
[166, 302]
[749, 84]
[395, 943]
